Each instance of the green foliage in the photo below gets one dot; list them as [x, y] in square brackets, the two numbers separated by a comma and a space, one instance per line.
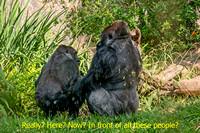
[7, 96]
[85, 59]
[159, 21]
[25, 46]
[167, 20]
[94, 16]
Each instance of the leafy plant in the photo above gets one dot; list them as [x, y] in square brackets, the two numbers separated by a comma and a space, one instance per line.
[159, 21]
[25, 46]
[7, 95]
[94, 16]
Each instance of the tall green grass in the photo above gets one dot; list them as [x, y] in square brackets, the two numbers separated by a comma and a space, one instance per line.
[25, 45]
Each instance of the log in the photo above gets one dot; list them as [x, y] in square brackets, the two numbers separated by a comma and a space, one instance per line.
[164, 80]
[171, 72]
[190, 87]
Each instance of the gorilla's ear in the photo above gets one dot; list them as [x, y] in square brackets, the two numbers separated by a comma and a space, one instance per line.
[136, 38]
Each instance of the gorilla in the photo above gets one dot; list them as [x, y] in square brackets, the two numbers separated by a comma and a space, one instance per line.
[110, 85]
[59, 74]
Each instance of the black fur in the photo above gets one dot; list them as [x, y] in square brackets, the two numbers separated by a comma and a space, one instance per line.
[57, 76]
[110, 86]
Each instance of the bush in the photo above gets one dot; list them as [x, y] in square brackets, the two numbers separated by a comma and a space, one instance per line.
[160, 21]
[8, 96]
[25, 47]
[167, 20]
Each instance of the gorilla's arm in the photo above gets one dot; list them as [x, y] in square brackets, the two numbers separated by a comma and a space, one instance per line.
[101, 70]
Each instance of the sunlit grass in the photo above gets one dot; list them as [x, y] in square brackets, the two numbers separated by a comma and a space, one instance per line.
[170, 115]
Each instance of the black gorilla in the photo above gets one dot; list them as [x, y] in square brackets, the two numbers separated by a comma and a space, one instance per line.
[110, 86]
[57, 76]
